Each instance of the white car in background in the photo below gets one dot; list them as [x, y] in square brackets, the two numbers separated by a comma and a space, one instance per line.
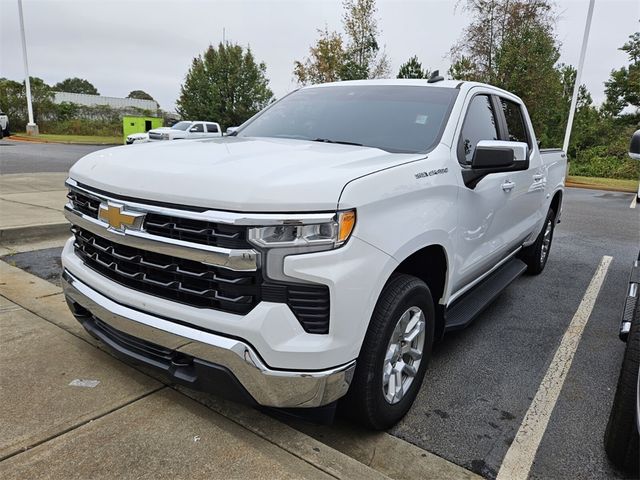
[4, 124]
[137, 138]
[186, 129]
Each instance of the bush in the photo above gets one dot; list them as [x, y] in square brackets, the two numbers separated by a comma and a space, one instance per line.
[83, 127]
[609, 161]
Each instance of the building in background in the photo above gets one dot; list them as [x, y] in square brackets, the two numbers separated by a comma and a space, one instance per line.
[113, 102]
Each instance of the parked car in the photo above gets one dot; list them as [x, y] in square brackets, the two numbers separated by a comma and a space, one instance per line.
[622, 434]
[137, 138]
[319, 251]
[4, 125]
[186, 129]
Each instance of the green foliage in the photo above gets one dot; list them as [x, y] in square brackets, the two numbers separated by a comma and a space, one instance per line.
[623, 88]
[13, 101]
[326, 60]
[140, 94]
[412, 68]
[76, 85]
[332, 58]
[224, 85]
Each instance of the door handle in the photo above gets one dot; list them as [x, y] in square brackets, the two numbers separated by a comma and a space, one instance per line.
[538, 177]
[508, 186]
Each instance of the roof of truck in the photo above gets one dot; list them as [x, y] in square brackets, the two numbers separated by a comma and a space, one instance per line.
[459, 84]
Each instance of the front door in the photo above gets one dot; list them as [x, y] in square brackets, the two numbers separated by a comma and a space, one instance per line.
[485, 228]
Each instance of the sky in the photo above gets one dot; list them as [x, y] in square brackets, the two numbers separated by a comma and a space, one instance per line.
[148, 45]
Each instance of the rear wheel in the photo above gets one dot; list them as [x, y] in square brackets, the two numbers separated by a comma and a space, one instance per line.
[537, 254]
[621, 436]
[394, 355]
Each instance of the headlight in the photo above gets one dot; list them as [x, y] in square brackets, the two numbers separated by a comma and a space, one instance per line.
[329, 234]
[279, 241]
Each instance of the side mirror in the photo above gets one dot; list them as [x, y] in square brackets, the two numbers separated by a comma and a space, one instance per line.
[193, 129]
[634, 147]
[232, 130]
[495, 156]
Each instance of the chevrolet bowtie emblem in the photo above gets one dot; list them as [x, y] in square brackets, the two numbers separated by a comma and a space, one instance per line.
[112, 214]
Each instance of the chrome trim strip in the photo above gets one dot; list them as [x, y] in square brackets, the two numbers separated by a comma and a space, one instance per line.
[215, 216]
[238, 260]
[453, 297]
[269, 387]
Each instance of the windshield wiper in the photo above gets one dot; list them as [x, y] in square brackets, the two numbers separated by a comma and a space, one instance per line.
[327, 140]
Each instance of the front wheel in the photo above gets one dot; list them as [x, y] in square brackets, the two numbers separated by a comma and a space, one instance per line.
[537, 254]
[394, 354]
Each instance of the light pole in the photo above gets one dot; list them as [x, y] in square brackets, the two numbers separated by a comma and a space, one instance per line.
[32, 128]
[576, 86]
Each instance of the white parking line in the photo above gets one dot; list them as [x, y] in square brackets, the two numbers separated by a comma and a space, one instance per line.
[519, 458]
[634, 201]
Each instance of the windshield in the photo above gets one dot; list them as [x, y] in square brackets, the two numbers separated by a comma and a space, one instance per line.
[181, 125]
[395, 118]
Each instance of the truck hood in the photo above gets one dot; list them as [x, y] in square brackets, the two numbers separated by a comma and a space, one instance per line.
[235, 173]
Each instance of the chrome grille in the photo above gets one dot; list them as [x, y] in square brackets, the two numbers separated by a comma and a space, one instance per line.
[182, 280]
[178, 228]
[84, 204]
[197, 231]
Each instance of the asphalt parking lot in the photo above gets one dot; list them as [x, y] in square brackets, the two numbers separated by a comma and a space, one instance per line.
[27, 157]
[481, 381]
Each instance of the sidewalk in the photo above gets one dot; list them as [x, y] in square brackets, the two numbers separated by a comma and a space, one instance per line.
[31, 206]
[141, 428]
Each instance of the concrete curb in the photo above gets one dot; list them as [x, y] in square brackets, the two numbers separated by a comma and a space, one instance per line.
[43, 231]
[42, 140]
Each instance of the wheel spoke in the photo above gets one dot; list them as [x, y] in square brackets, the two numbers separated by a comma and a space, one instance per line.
[414, 332]
[409, 370]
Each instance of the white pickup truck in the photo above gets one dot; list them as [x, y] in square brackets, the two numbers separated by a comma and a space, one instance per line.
[318, 252]
[4, 124]
[186, 129]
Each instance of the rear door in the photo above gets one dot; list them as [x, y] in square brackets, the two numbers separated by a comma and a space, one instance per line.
[212, 130]
[527, 196]
[484, 232]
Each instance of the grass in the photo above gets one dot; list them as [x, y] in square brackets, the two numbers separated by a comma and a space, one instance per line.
[78, 139]
[603, 183]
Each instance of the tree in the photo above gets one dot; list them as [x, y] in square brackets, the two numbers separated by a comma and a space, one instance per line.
[412, 68]
[512, 44]
[623, 87]
[76, 85]
[325, 62]
[362, 49]
[332, 58]
[140, 94]
[224, 85]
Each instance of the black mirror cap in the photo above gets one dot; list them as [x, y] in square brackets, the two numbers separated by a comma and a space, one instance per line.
[492, 158]
[634, 147]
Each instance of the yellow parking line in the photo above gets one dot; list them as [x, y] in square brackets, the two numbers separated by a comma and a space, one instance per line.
[519, 458]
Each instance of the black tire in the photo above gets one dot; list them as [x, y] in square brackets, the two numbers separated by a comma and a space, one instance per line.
[534, 255]
[1, 133]
[621, 436]
[366, 400]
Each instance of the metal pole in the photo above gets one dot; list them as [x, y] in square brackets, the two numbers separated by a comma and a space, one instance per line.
[576, 86]
[32, 128]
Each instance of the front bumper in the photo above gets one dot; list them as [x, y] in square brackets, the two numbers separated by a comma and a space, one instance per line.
[199, 358]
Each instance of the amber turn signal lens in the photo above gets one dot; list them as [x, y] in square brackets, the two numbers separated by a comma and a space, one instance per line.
[346, 222]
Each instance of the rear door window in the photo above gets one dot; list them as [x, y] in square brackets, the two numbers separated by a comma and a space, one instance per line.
[516, 126]
[212, 128]
[479, 124]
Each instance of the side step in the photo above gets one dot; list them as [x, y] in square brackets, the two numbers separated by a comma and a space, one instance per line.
[469, 306]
